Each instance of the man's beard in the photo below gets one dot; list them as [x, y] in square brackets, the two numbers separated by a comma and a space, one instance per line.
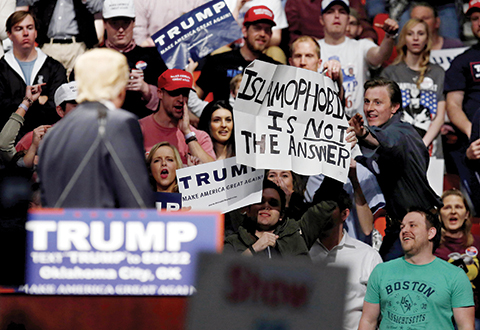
[256, 50]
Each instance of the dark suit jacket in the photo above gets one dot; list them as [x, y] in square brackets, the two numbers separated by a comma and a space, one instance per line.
[100, 184]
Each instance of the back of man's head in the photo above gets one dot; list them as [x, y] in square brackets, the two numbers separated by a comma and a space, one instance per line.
[332, 190]
[101, 74]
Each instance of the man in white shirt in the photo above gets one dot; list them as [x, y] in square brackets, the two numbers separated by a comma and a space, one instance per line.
[337, 248]
[354, 55]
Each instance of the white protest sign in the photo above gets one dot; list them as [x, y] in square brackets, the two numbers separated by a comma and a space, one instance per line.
[290, 118]
[238, 293]
[444, 57]
[221, 186]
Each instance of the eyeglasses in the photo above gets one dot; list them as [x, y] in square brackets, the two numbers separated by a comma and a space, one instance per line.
[271, 201]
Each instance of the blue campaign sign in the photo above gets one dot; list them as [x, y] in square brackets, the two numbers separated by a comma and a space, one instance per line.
[117, 252]
[196, 34]
[168, 201]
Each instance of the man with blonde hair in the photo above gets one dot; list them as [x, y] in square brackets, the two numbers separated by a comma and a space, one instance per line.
[94, 157]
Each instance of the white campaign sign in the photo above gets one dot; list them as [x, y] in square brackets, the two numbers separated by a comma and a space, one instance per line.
[221, 186]
[444, 57]
[290, 118]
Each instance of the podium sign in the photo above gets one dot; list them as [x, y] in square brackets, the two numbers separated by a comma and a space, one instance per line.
[117, 252]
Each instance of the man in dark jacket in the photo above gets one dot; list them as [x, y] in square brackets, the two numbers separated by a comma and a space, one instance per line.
[145, 64]
[25, 65]
[396, 154]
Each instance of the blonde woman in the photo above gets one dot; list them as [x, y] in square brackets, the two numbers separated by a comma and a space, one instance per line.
[421, 82]
[163, 161]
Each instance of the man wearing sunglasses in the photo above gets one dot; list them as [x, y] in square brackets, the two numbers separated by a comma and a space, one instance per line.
[171, 122]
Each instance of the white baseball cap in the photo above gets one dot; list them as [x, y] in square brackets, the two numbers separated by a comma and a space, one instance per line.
[326, 4]
[118, 8]
[66, 92]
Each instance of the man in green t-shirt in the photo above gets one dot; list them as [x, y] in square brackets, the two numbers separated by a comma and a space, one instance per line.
[418, 291]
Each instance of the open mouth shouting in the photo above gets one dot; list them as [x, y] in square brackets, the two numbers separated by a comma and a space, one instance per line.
[164, 173]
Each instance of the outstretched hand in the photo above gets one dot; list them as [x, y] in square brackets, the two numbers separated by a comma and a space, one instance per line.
[357, 125]
[390, 26]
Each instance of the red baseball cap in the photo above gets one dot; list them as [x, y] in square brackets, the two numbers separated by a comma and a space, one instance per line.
[259, 13]
[174, 79]
[473, 5]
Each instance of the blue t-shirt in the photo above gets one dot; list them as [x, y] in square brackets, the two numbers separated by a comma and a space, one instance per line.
[464, 75]
[27, 68]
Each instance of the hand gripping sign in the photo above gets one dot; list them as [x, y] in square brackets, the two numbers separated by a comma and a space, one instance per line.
[291, 118]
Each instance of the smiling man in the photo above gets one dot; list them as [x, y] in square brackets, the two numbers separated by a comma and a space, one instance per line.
[171, 122]
[396, 154]
[418, 291]
[221, 68]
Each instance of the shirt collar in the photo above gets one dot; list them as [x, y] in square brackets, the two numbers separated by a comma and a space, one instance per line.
[108, 104]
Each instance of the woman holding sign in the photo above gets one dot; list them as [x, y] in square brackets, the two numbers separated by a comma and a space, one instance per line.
[217, 121]
[421, 82]
[163, 161]
[268, 233]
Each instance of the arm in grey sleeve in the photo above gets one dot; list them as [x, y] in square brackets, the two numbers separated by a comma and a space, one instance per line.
[195, 104]
[8, 136]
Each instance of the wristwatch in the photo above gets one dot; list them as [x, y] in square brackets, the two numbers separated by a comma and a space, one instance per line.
[393, 35]
[190, 137]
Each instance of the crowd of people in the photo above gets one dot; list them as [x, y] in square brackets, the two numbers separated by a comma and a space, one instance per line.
[91, 108]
